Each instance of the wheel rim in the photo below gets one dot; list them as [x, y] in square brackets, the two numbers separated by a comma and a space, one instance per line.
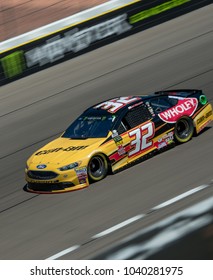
[96, 167]
[183, 129]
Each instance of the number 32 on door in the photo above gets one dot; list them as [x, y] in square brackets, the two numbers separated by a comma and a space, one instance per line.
[142, 138]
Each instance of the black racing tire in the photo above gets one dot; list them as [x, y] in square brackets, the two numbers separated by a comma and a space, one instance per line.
[97, 168]
[184, 130]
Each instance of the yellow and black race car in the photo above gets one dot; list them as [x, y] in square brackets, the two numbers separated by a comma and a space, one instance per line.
[114, 134]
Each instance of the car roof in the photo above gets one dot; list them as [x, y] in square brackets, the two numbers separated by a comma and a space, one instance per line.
[122, 103]
[115, 105]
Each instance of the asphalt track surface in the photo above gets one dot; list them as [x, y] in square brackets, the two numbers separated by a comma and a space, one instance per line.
[36, 109]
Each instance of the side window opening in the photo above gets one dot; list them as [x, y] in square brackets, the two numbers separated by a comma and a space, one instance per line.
[122, 128]
[160, 104]
[173, 101]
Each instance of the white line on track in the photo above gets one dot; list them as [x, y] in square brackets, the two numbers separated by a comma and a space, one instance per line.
[131, 220]
[64, 252]
[179, 197]
[118, 226]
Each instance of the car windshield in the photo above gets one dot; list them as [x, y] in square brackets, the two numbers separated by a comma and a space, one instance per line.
[88, 126]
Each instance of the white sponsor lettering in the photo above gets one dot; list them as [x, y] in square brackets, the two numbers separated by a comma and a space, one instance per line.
[179, 109]
[116, 104]
[75, 41]
[161, 145]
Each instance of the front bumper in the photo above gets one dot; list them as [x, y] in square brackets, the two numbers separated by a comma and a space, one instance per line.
[66, 181]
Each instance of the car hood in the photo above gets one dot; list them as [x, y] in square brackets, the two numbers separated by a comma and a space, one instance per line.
[64, 151]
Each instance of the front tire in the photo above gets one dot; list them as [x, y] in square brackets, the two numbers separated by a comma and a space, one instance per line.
[97, 168]
[184, 130]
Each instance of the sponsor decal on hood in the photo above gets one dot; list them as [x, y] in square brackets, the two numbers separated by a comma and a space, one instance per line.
[68, 149]
[184, 107]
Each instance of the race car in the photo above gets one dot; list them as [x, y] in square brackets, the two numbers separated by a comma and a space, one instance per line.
[115, 134]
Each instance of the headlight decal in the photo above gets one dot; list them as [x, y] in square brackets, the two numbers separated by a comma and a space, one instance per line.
[70, 166]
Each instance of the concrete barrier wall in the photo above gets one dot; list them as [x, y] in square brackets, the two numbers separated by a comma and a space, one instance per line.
[57, 46]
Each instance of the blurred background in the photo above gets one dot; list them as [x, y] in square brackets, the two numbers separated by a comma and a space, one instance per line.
[36, 109]
[20, 16]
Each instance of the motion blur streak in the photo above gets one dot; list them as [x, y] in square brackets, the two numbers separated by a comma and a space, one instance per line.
[177, 52]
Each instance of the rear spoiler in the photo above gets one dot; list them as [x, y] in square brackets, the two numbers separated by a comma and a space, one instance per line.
[179, 92]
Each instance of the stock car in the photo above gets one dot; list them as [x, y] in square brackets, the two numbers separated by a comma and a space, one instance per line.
[115, 134]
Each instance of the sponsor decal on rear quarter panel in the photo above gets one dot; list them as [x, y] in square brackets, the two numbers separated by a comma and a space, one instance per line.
[184, 107]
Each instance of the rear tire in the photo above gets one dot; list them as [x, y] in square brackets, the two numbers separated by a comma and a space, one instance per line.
[97, 168]
[184, 130]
